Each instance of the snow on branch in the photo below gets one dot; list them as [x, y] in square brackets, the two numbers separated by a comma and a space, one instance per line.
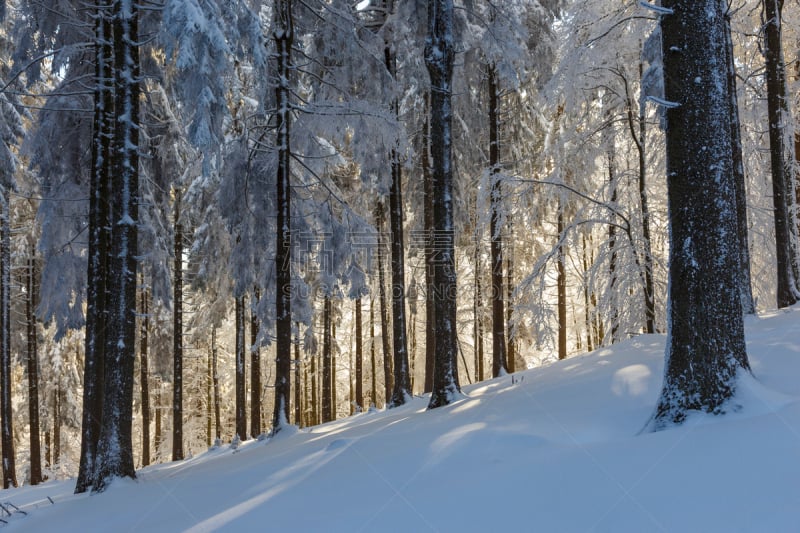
[662, 102]
[658, 9]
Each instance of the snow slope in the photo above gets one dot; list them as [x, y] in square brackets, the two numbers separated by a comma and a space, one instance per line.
[550, 449]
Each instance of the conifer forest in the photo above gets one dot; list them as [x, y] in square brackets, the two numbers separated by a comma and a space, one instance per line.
[220, 219]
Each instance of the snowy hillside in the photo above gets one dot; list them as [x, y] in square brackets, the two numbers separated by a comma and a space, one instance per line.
[551, 449]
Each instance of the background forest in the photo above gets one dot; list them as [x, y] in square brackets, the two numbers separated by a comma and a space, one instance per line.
[559, 202]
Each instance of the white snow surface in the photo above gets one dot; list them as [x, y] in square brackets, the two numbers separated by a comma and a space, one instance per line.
[550, 449]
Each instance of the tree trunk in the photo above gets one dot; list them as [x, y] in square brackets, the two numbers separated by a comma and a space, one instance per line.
[387, 358]
[745, 287]
[702, 359]
[511, 351]
[209, 399]
[373, 363]
[359, 358]
[612, 252]
[327, 413]
[499, 365]
[144, 328]
[283, 35]
[777, 109]
[430, 323]
[333, 369]
[177, 337]
[298, 383]
[99, 236]
[241, 386]
[439, 57]
[255, 369]
[157, 434]
[215, 374]
[477, 308]
[115, 446]
[561, 286]
[586, 298]
[31, 300]
[56, 425]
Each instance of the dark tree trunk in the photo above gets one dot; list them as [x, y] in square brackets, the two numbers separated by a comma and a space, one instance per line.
[177, 337]
[702, 359]
[439, 56]
[477, 309]
[283, 35]
[298, 383]
[333, 369]
[586, 299]
[782, 195]
[499, 365]
[255, 370]
[315, 410]
[510, 344]
[327, 401]
[97, 269]
[430, 321]
[385, 339]
[144, 328]
[158, 437]
[57, 425]
[115, 445]
[745, 287]
[359, 358]
[31, 301]
[209, 399]
[612, 252]
[241, 386]
[373, 362]
[215, 379]
[401, 389]
[561, 286]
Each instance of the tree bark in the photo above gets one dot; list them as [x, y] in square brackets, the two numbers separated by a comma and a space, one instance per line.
[115, 446]
[31, 300]
[144, 328]
[215, 380]
[499, 364]
[177, 337]
[385, 342]
[561, 287]
[99, 236]
[430, 321]
[359, 358]
[439, 57]
[612, 252]
[283, 35]
[327, 400]
[255, 369]
[702, 359]
[782, 195]
[241, 386]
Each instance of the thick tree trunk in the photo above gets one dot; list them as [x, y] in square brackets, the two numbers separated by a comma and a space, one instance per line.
[177, 337]
[702, 359]
[255, 369]
[782, 195]
[144, 327]
[499, 365]
[115, 446]
[97, 269]
[241, 386]
[283, 35]
[31, 300]
[439, 57]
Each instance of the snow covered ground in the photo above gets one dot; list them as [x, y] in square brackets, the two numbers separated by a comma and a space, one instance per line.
[550, 449]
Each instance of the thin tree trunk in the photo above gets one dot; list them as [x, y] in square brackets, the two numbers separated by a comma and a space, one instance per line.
[31, 300]
[359, 358]
[499, 364]
[439, 57]
[241, 386]
[209, 400]
[283, 35]
[315, 410]
[430, 324]
[57, 425]
[510, 344]
[327, 414]
[787, 293]
[745, 286]
[612, 249]
[157, 434]
[477, 311]
[144, 328]
[586, 299]
[215, 378]
[177, 337]
[334, 347]
[373, 365]
[387, 354]
[255, 369]
[298, 383]
[561, 284]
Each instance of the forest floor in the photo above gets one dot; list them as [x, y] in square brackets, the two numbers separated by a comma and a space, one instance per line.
[557, 448]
